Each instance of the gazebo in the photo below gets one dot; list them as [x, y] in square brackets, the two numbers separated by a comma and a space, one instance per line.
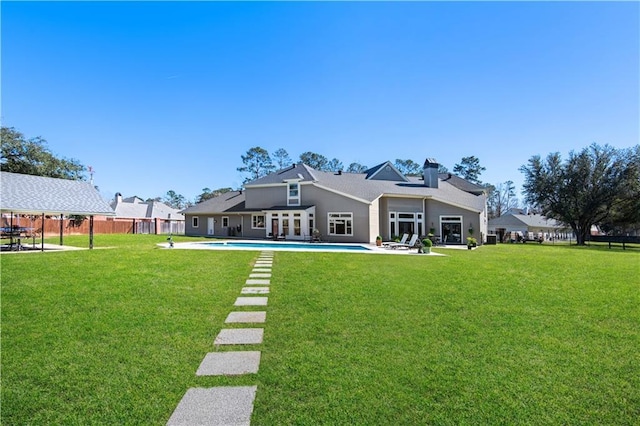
[38, 195]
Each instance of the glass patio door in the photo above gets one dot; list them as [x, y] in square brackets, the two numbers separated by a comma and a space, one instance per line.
[451, 229]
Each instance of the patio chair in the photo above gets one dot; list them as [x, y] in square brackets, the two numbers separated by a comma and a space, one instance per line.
[410, 244]
[390, 244]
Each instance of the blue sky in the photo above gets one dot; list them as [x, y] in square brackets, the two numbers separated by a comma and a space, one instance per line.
[159, 96]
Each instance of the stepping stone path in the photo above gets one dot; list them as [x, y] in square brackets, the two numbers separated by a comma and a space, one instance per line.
[251, 301]
[230, 405]
[255, 290]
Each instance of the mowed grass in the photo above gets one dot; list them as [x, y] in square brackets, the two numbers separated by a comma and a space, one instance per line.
[507, 334]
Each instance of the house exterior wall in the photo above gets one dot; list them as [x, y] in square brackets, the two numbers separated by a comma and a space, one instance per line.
[268, 196]
[436, 210]
[397, 205]
[329, 202]
[243, 221]
[374, 221]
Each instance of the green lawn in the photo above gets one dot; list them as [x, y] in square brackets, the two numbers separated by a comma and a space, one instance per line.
[506, 334]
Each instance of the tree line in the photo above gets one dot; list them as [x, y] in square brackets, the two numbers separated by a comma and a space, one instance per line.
[258, 163]
[598, 185]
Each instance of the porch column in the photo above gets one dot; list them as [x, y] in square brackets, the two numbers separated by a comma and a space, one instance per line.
[61, 227]
[90, 232]
[42, 239]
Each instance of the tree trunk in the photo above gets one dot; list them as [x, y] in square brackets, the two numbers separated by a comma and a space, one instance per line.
[582, 232]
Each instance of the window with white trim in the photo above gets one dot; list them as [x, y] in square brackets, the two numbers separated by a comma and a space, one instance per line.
[194, 222]
[293, 194]
[257, 221]
[340, 223]
[225, 221]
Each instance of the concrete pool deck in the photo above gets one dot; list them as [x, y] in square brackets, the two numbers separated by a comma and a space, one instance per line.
[280, 246]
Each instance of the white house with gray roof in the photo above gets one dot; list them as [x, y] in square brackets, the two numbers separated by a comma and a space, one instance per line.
[136, 208]
[526, 223]
[345, 207]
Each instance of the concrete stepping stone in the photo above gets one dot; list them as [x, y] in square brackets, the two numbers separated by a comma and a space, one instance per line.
[260, 275]
[255, 290]
[246, 317]
[229, 363]
[253, 281]
[251, 301]
[261, 270]
[262, 265]
[227, 405]
[239, 336]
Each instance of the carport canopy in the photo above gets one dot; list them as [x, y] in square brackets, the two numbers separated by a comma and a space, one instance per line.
[39, 195]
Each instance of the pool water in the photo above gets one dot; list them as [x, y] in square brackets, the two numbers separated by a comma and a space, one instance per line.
[293, 246]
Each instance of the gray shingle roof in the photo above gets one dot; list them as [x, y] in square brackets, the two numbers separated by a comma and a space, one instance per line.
[529, 220]
[358, 186]
[37, 194]
[232, 201]
[461, 183]
[135, 208]
[295, 171]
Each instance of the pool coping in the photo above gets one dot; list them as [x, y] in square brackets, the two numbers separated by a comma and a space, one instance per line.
[279, 246]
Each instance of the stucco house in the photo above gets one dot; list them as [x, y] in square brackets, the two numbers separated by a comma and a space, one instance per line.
[345, 207]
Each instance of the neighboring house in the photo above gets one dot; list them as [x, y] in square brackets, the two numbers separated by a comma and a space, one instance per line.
[345, 207]
[149, 217]
[524, 223]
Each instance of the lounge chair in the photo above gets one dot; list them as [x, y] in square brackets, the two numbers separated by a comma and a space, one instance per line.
[410, 244]
[390, 244]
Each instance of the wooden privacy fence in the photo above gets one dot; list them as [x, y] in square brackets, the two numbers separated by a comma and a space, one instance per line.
[53, 225]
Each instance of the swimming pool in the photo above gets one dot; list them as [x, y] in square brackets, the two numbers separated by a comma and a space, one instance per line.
[263, 245]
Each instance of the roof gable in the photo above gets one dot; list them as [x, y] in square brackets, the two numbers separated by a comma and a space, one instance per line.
[385, 171]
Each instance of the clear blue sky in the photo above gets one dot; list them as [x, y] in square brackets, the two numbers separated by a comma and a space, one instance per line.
[168, 95]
